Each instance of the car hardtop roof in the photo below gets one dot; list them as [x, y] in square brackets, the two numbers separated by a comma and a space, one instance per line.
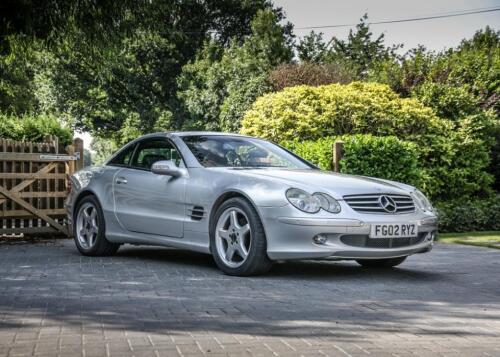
[193, 133]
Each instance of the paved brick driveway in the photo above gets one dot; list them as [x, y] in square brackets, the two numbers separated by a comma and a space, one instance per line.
[162, 302]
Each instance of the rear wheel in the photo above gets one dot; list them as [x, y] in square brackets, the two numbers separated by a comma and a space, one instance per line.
[88, 229]
[237, 239]
[381, 263]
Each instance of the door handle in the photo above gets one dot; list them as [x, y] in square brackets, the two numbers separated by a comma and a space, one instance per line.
[121, 180]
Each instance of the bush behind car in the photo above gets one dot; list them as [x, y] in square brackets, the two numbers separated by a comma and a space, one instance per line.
[453, 155]
[385, 157]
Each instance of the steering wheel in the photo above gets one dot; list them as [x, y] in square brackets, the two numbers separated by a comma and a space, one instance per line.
[233, 159]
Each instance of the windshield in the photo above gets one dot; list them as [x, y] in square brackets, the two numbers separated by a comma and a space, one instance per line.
[235, 151]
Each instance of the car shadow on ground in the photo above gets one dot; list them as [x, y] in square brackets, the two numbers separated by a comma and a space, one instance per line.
[293, 269]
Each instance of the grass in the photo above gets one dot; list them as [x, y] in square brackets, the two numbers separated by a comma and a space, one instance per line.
[489, 239]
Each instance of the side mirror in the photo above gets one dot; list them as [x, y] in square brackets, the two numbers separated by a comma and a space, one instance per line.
[166, 167]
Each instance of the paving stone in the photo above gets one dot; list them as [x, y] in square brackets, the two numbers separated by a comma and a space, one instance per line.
[148, 301]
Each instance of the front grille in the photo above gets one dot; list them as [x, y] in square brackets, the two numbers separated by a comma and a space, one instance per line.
[371, 203]
[363, 241]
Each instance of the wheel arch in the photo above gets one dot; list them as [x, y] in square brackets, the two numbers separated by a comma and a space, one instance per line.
[81, 195]
[223, 198]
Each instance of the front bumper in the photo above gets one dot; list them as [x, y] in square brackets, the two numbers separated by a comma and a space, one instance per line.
[290, 237]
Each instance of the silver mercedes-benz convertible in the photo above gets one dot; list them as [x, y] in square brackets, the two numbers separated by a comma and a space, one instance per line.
[246, 201]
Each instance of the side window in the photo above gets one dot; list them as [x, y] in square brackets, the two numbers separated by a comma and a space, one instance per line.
[151, 150]
[123, 158]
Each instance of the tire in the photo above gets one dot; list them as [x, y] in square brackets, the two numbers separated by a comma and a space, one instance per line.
[89, 228]
[239, 249]
[381, 263]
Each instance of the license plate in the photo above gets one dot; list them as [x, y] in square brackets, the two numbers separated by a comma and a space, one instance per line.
[393, 230]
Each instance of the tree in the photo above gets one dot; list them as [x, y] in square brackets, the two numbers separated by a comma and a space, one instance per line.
[131, 85]
[25, 86]
[102, 149]
[360, 51]
[52, 19]
[460, 84]
[113, 67]
[474, 65]
[221, 84]
[312, 48]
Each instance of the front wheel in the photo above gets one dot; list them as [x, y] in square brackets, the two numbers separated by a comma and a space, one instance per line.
[237, 239]
[88, 229]
[381, 263]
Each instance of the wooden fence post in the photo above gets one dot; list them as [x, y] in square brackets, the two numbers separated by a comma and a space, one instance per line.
[70, 165]
[78, 145]
[338, 150]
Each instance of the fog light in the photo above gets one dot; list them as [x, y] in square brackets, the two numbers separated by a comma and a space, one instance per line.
[320, 239]
[430, 236]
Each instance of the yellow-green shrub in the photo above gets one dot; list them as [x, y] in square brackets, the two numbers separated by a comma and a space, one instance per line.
[311, 113]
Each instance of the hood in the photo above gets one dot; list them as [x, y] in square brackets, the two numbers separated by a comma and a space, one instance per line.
[336, 184]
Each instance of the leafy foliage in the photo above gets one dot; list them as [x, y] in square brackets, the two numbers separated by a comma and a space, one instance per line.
[313, 112]
[221, 84]
[367, 155]
[312, 48]
[453, 158]
[448, 101]
[319, 152]
[463, 215]
[460, 84]
[360, 51]
[24, 86]
[128, 87]
[102, 149]
[108, 20]
[33, 128]
[123, 69]
[384, 157]
[104, 86]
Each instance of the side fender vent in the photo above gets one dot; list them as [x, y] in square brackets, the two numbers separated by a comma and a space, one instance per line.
[197, 213]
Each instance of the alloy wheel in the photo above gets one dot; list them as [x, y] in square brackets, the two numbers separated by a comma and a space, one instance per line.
[87, 226]
[233, 237]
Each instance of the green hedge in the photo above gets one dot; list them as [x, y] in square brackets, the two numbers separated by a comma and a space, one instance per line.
[383, 157]
[453, 155]
[466, 215]
[33, 128]
[319, 152]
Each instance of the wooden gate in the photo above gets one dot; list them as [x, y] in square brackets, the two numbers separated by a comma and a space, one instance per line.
[33, 185]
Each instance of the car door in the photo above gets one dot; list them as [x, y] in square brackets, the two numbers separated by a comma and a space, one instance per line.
[146, 202]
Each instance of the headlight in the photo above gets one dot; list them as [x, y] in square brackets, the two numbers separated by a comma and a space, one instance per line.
[312, 203]
[422, 202]
[328, 203]
[303, 200]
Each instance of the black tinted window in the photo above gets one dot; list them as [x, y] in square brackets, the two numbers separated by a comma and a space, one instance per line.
[123, 158]
[152, 150]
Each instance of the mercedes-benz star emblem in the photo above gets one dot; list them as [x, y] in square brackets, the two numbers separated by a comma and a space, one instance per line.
[387, 204]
